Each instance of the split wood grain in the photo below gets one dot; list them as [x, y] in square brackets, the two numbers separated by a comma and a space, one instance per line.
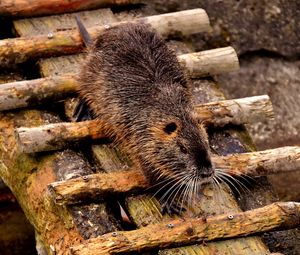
[253, 164]
[57, 136]
[29, 93]
[25, 8]
[53, 136]
[34, 92]
[18, 50]
[284, 215]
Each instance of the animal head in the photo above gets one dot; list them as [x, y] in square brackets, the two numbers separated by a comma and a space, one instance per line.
[177, 148]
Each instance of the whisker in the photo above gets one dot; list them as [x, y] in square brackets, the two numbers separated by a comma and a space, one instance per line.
[226, 179]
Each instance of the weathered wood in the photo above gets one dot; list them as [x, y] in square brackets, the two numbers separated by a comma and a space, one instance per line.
[284, 215]
[253, 164]
[90, 187]
[33, 92]
[22, 8]
[236, 111]
[18, 50]
[210, 62]
[52, 136]
[29, 93]
[62, 22]
[260, 163]
[56, 136]
[28, 177]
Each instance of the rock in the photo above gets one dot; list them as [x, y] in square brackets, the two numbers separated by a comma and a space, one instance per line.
[247, 25]
[278, 78]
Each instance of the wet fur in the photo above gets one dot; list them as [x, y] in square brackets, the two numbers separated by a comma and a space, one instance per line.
[133, 82]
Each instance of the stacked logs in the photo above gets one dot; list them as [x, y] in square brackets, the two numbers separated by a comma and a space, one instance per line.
[50, 137]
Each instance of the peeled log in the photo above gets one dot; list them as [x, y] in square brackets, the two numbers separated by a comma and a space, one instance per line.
[87, 187]
[22, 8]
[236, 111]
[254, 164]
[18, 50]
[32, 92]
[260, 163]
[53, 136]
[210, 62]
[284, 215]
[57, 136]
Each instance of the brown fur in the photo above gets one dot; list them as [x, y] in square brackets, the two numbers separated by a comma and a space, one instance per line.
[133, 81]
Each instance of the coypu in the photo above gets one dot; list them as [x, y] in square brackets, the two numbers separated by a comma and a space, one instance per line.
[133, 81]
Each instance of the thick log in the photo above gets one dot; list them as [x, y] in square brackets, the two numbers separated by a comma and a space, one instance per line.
[260, 163]
[57, 136]
[22, 8]
[28, 176]
[18, 50]
[90, 187]
[29, 93]
[33, 92]
[236, 111]
[210, 62]
[53, 136]
[284, 215]
[253, 164]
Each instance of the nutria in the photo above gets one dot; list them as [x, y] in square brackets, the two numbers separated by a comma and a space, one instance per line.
[133, 81]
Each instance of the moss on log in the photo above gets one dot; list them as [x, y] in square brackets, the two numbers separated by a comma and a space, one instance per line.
[181, 232]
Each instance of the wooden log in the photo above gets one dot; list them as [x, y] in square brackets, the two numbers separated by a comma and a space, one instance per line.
[87, 187]
[28, 176]
[18, 50]
[210, 62]
[284, 215]
[260, 163]
[29, 93]
[57, 136]
[53, 136]
[254, 164]
[33, 92]
[22, 8]
[236, 111]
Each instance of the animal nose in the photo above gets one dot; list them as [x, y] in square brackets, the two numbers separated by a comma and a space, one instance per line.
[207, 170]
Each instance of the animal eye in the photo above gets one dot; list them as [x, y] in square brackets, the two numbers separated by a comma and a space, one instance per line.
[183, 149]
[170, 128]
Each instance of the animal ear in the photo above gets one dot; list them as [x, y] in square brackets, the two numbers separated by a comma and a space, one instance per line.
[170, 128]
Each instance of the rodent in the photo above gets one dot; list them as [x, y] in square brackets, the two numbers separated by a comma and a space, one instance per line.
[133, 81]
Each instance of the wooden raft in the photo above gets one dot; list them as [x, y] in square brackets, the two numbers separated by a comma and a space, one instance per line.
[62, 227]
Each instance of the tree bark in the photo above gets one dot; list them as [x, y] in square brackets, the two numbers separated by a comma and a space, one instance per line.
[22, 8]
[210, 62]
[57, 136]
[34, 92]
[28, 176]
[285, 215]
[15, 51]
[252, 164]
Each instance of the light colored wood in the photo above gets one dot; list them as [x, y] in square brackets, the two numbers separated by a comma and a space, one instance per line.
[18, 50]
[57, 136]
[34, 92]
[260, 163]
[28, 176]
[253, 164]
[29, 93]
[77, 190]
[31, 8]
[210, 62]
[52, 136]
[284, 215]
[236, 111]
[62, 22]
